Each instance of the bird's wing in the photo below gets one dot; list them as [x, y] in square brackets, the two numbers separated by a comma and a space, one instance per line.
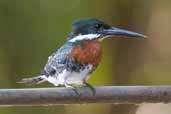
[57, 62]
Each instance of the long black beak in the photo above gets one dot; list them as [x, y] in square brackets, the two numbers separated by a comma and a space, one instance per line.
[121, 32]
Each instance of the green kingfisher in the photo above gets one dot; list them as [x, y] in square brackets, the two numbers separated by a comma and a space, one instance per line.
[73, 63]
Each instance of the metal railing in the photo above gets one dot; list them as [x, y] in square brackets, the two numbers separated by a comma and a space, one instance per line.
[106, 94]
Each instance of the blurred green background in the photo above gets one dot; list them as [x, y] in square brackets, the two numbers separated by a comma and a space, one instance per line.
[30, 30]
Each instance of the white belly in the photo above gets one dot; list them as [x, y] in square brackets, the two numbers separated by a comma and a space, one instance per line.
[76, 78]
[57, 80]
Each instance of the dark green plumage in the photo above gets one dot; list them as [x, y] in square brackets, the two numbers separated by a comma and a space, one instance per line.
[87, 26]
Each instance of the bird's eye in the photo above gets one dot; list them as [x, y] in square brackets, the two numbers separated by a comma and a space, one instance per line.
[97, 26]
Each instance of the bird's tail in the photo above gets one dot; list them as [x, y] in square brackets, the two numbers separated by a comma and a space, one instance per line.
[33, 80]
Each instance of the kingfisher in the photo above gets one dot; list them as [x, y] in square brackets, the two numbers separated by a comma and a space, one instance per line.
[72, 64]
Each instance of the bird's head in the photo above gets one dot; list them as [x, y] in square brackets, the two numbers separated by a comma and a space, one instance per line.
[94, 29]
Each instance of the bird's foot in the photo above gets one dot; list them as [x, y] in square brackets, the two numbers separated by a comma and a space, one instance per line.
[73, 88]
[91, 87]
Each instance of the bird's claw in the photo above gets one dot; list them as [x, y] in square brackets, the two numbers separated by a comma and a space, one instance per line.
[91, 87]
[76, 92]
[73, 88]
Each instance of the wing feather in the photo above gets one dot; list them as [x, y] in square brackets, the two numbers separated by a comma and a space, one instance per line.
[57, 62]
